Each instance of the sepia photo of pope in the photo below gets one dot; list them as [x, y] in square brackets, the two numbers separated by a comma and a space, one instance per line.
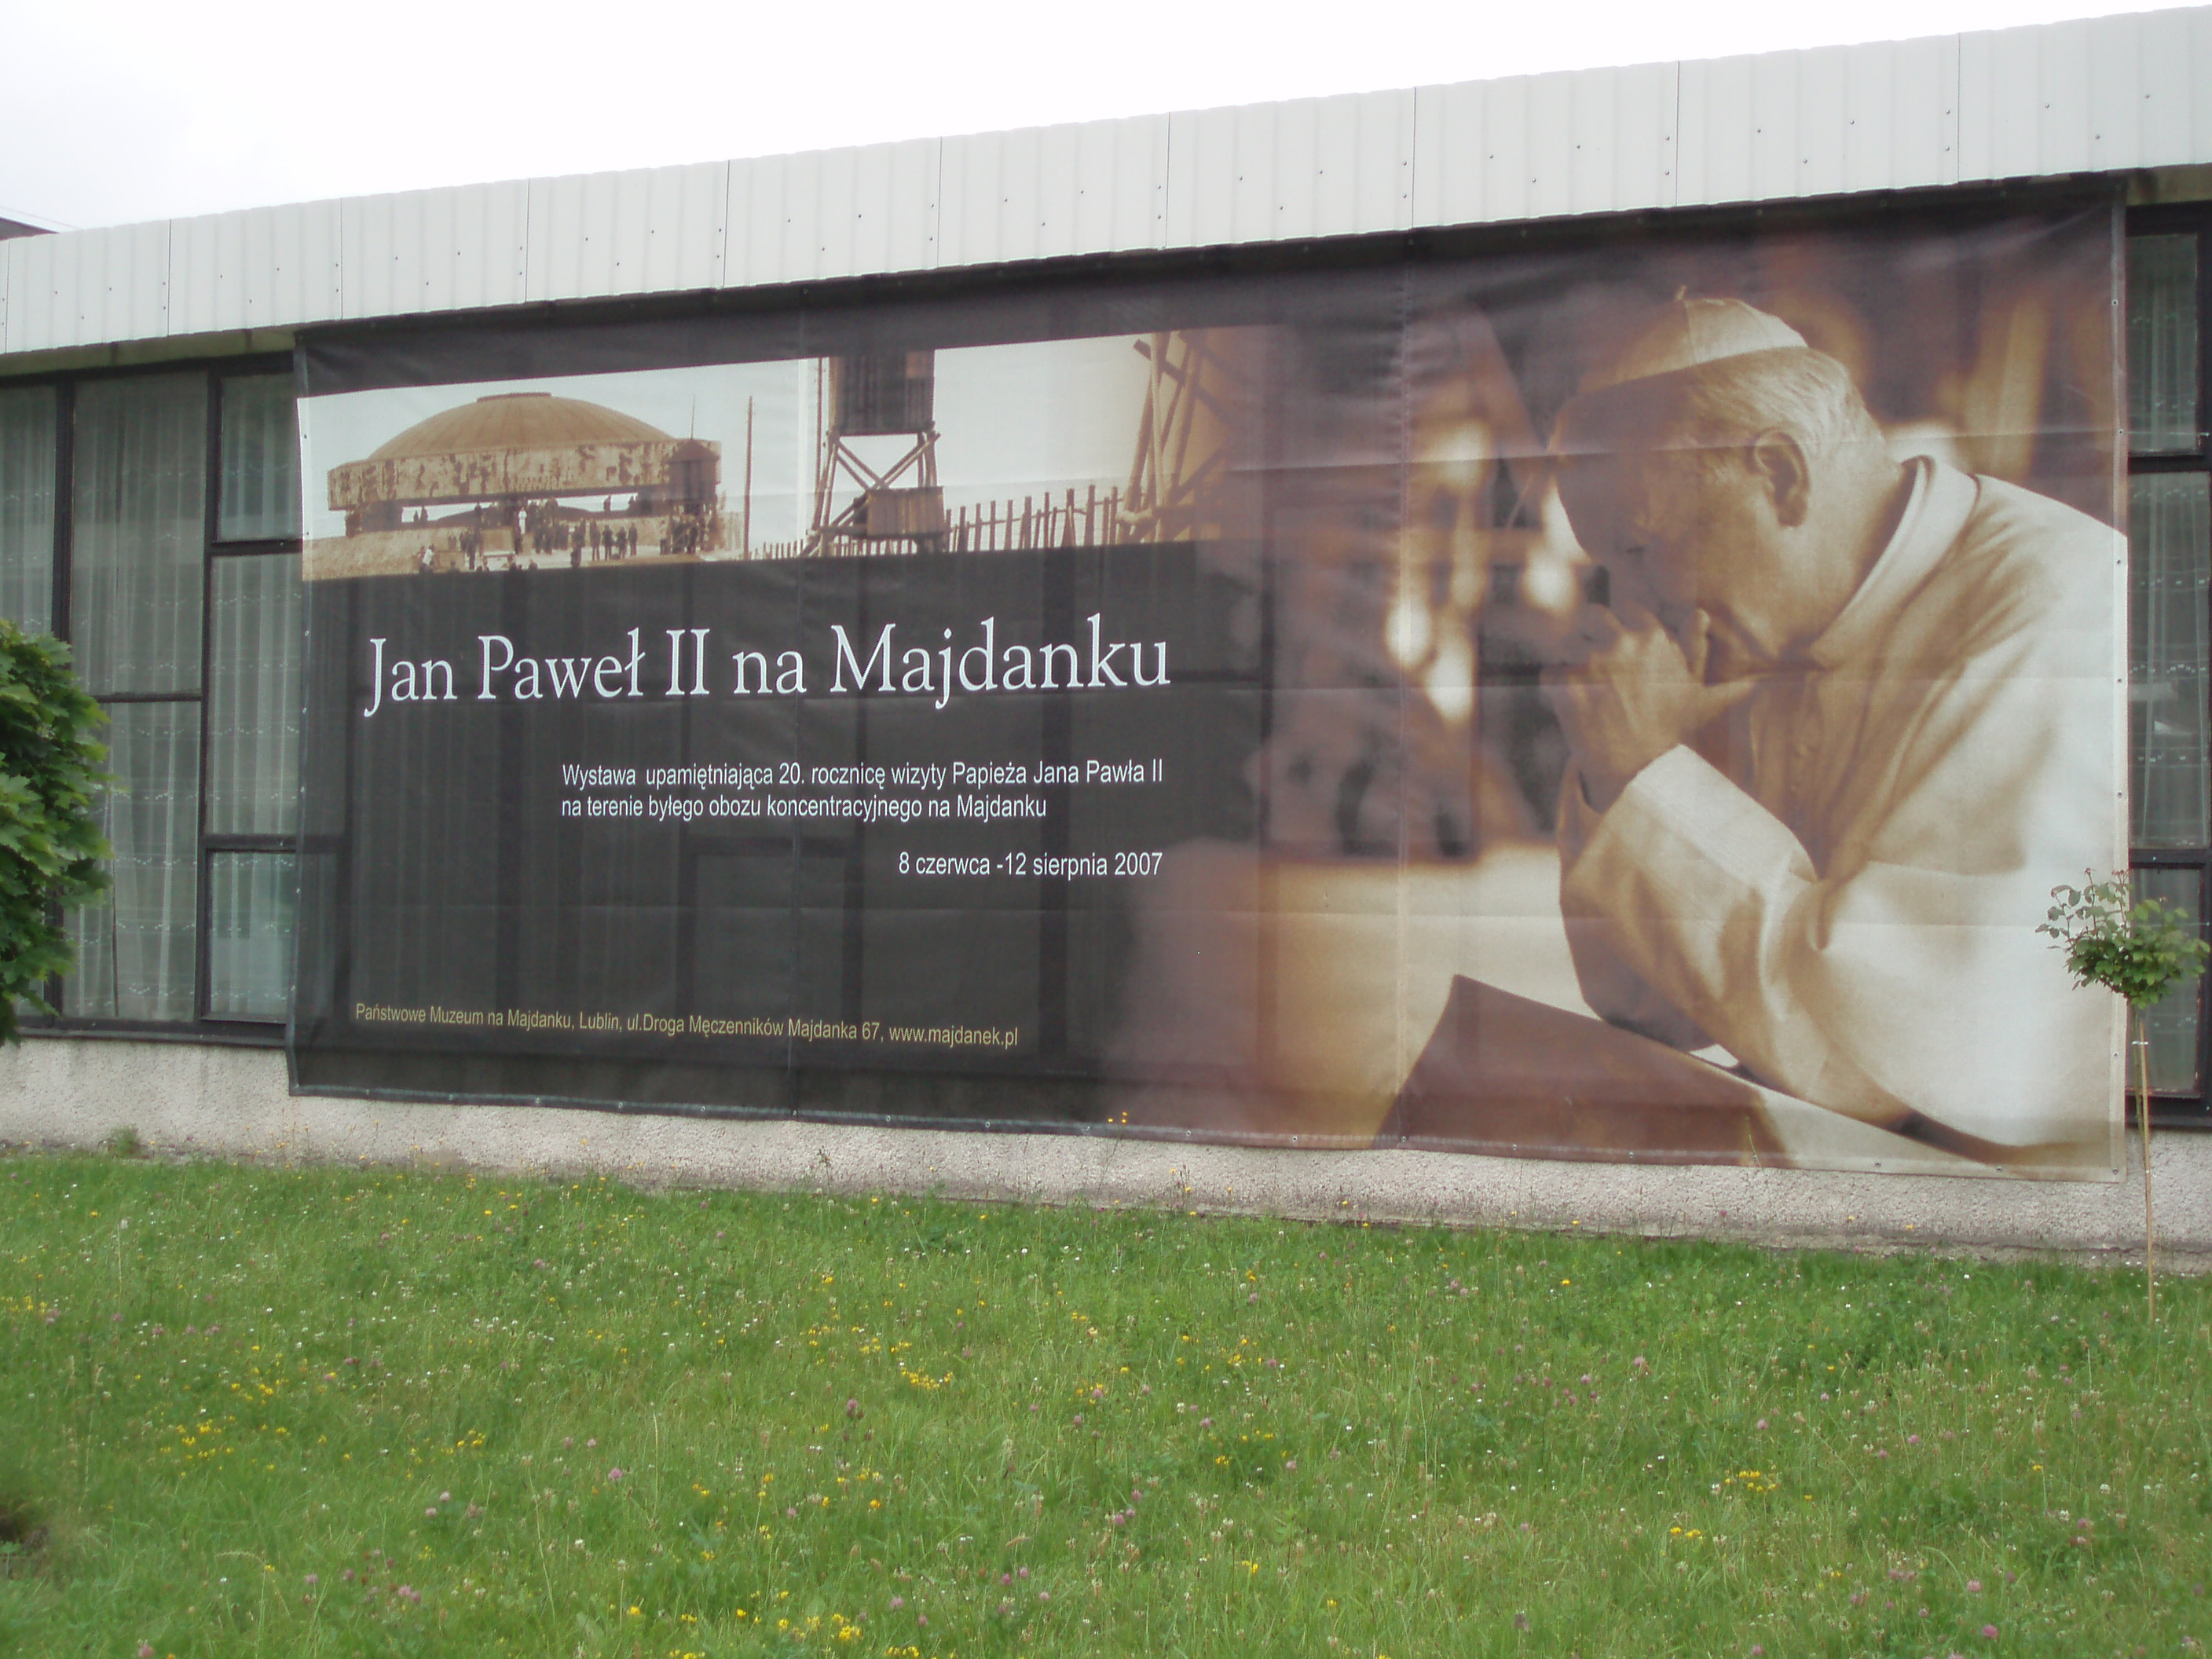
[1837, 728]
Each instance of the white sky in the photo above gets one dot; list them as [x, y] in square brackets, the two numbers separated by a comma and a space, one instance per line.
[123, 110]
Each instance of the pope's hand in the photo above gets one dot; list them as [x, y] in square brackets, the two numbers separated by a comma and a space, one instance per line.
[1627, 693]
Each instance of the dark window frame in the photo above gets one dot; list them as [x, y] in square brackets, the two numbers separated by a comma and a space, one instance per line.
[2169, 1111]
[213, 372]
[212, 845]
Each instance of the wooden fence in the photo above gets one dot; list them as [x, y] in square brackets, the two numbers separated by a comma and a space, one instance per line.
[1093, 518]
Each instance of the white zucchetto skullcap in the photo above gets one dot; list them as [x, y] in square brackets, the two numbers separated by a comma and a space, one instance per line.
[1690, 333]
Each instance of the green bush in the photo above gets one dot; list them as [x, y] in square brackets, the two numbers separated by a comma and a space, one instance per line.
[50, 847]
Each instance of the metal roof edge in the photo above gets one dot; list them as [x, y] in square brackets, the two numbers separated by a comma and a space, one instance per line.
[2120, 94]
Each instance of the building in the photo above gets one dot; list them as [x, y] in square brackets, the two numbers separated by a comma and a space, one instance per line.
[154, 509]
[508, 471]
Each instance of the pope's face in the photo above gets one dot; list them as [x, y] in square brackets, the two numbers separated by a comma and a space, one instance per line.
[1685, 539]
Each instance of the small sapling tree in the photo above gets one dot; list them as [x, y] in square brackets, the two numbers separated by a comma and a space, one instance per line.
[2141, 948]
[50, 847]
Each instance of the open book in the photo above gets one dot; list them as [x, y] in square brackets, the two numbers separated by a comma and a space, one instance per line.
[1503, 1074]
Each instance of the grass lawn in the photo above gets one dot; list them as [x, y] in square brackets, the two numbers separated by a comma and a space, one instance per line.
[300, 1412]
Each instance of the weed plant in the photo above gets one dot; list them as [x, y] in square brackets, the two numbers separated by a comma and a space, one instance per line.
[323, 1412]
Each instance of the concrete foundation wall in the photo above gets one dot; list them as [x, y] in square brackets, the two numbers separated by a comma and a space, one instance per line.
[193, 1099]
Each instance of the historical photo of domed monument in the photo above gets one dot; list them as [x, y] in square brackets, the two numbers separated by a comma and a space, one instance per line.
[1091, 442]
[510, 481]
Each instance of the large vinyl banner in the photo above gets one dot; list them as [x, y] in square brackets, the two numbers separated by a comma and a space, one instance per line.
[1618, 697]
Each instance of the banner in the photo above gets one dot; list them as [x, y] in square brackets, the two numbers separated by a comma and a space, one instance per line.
[1628, 697]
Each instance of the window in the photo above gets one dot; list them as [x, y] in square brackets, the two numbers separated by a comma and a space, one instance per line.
[152, 519]
[2170, 613]
[254, 638]
[30, 432]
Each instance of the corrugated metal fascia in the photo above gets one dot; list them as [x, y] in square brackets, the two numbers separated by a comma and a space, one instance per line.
[825, 214]
[87, 287]
[1048, 192]
[462, 248]
[1780, 125]
[655, 230]
[2108, 94]
[1590, 141]
[261, 268]
[1312, 167]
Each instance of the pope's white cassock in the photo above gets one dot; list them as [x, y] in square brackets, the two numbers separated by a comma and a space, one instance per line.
[1844, 895]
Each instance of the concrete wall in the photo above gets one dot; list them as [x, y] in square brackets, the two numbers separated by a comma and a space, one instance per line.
[193, 1099]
